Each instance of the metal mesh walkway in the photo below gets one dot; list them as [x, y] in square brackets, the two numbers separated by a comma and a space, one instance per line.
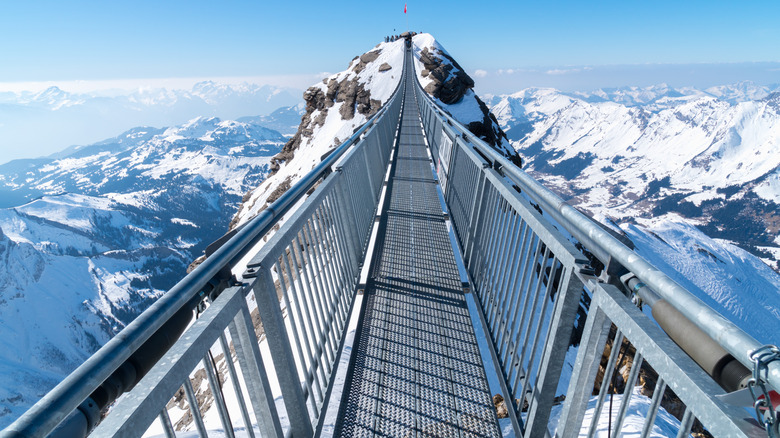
[417, 369]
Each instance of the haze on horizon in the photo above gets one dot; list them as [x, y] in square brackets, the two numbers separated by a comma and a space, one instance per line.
[90, 46]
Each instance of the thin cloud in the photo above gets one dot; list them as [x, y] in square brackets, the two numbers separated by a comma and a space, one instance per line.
[120, 86]
[480, 73]
[567, 71]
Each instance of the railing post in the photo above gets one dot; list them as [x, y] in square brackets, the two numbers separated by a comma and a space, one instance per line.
[281, 352]
[478, 204]
[594, 339]
[371, 183]
[556, 345]
[346, 210]
[244, 337]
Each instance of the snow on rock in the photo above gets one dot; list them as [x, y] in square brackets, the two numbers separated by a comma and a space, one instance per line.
[452, 89]
[666, 425]
[334, 109]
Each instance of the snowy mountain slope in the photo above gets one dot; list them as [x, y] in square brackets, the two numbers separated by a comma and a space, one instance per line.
[76, 269]
[228, 153]
[725, 277]
[703, 158]
[115, 225]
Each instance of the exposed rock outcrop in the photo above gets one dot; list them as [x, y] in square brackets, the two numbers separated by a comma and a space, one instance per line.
[449, 83]
[333, 109]
[349, 91]
[365, 59]
[445, 80]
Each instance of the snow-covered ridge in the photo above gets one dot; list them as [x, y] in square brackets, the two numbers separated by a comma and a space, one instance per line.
[334, 109]
[344, 101]
[226, 153]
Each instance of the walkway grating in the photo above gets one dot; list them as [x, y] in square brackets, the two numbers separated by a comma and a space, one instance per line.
[416, 371]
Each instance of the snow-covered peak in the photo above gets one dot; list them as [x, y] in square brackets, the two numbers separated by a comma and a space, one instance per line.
[527, 105]
[334, 108]
[713, 161]
[212, 129]
[740, 92]
[198, 127]
[52, 98]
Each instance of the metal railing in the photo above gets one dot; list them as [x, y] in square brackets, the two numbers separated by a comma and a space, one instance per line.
[532, 285]
[308, 270]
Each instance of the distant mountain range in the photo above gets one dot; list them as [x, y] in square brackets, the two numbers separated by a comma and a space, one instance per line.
[91, 236]
[646, 155]
[83, 118]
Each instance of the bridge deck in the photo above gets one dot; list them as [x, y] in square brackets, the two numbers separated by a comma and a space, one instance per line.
[417, 369]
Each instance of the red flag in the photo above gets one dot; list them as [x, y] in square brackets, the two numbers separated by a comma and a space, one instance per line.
[404, 8]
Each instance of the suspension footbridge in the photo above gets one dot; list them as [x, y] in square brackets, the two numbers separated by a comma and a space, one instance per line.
[417, 273]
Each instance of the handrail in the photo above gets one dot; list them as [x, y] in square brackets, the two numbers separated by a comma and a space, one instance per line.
[605, 247]
[45, 415]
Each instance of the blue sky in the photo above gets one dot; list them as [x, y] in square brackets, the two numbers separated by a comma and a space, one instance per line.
[90, 40]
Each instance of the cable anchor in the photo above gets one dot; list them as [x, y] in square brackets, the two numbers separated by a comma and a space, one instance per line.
[762, 402]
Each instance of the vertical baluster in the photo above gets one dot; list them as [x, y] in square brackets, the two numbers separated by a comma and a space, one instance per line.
[496, 250]
[655, 403]
[493, 218]
[326, 267]
[345, 208]
[310, 298]
[529, 332]
[497, 265]
[323, 291]
[244, 337]
[556, 345]
[302, 335]
[526, 287]
[686, 424]
[216, 391]
[537, 333]
[605, 381]
[165, 420]
[281, 352]
[236, 385]
[521, 260]
[633, 375]
[344, 273]
[194, 409]
[586, 367]
[344, 277]
[509, 268]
